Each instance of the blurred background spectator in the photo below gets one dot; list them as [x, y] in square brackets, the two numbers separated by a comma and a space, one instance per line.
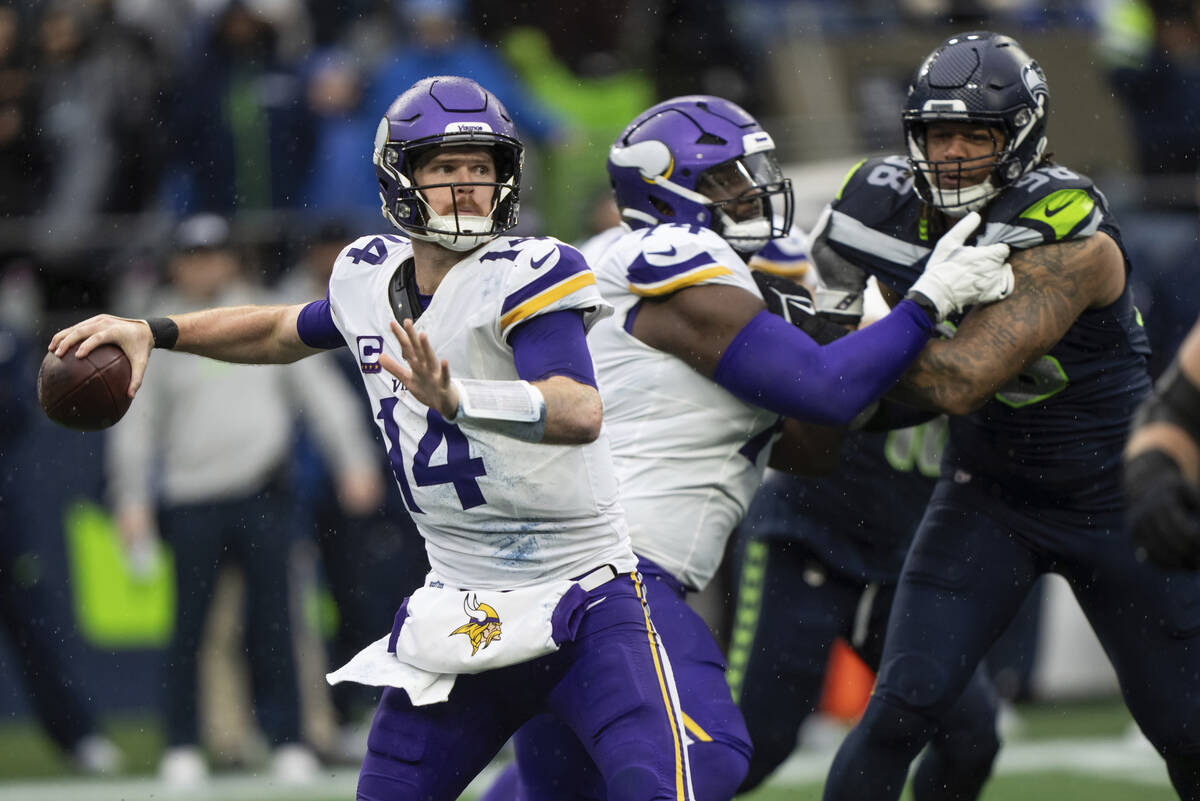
[218, 487]
[27, 605]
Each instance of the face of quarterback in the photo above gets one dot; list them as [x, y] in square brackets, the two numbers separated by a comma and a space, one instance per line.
[457, 165]
[974, 146]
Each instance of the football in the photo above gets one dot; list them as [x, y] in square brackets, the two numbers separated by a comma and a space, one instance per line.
[85, 394]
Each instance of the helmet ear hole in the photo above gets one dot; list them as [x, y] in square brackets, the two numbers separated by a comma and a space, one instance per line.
[661, 207]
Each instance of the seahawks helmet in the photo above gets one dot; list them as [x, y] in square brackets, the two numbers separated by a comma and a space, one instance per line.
[446, 111]
[982, 78]
[701, 160]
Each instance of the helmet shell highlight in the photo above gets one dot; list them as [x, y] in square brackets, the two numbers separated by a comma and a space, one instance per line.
[666, 163]
[982, 78]
[445, 111]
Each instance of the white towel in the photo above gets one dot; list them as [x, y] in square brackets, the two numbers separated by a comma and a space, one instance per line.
[376, 666]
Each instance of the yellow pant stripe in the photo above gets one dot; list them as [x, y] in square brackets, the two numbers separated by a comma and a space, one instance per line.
[695, 729]
[680, 793]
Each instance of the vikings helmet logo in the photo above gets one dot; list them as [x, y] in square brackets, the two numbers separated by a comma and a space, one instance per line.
[484, 625]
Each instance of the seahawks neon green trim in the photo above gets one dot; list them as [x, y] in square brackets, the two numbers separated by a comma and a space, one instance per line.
[1061, 210]
[846, 180]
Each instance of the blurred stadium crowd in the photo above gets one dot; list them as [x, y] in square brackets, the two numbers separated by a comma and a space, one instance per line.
[119, 118]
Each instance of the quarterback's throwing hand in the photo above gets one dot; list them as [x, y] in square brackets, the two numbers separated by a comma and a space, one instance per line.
[958, 275]
[427, 377]
[131, 336]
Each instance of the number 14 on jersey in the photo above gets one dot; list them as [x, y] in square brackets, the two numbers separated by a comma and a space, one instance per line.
[460, 468]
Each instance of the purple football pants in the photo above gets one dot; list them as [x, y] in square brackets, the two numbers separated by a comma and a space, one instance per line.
[552, 764]
[608, 685]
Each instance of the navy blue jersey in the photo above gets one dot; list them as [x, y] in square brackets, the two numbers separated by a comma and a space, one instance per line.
[1052, 436]
[860, 519]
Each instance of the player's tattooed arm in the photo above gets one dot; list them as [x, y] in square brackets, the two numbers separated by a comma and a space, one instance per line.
[1054, 284]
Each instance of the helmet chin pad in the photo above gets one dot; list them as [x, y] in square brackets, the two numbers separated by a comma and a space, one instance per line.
[458, 232]
[960, 202]
[746, 236]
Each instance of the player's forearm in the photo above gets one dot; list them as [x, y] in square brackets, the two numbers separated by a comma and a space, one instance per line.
[774, 366]
[1054, 285]
[945, 379]
[574, 412]
[1189, 355]
[243, 334]
[1168, 419]
[1171, 440]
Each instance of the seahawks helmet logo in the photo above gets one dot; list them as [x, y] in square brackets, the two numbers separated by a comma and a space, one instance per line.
[1035, 82]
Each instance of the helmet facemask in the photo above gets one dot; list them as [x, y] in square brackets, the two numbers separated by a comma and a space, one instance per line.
[964, 192]
[411, 211]
[985, 80]
[743, 195]
[701, 160]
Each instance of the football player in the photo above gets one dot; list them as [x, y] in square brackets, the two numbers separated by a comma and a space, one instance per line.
[534, 602]
[819, 559]
[1041, 389]
[697, 375]
[1162, 464]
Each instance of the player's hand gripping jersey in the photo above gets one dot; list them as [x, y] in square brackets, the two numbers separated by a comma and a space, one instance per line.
[1030, 436]
[495, 512]
[689, 455]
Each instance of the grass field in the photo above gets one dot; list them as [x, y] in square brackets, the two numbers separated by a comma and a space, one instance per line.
[1061, 752]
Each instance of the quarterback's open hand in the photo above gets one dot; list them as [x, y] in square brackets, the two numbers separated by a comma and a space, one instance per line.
[131, 336]
[426, 377]
[958, 275]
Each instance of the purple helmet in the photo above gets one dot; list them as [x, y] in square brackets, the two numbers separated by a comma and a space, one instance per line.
[701, 160]
[437, 112]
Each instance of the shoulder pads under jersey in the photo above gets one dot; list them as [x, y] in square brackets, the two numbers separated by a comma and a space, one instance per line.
[1050, 204]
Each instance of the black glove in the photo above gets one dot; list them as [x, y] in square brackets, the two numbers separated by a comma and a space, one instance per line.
[842, 283]
[1163, 511]
[792, 301]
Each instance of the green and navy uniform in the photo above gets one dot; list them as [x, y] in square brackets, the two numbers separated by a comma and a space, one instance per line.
[819, 559]
[1030, 483]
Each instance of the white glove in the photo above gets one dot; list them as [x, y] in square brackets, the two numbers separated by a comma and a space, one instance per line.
[959, 275]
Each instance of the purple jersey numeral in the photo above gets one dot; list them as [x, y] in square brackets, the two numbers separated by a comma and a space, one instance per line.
[395, 455]
[460, 469]
[374, 253]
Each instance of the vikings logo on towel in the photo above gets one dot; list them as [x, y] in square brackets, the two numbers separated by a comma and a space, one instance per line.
[484, 625]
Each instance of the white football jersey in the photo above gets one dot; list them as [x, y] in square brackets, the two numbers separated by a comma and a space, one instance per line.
[689, 455]
[495, 512]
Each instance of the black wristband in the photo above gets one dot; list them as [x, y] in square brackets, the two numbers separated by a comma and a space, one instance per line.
[924, 303]
[164, 331]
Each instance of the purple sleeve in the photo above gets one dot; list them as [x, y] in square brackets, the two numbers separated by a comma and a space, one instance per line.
[315, 326]
[775, 365]
[554, 343]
